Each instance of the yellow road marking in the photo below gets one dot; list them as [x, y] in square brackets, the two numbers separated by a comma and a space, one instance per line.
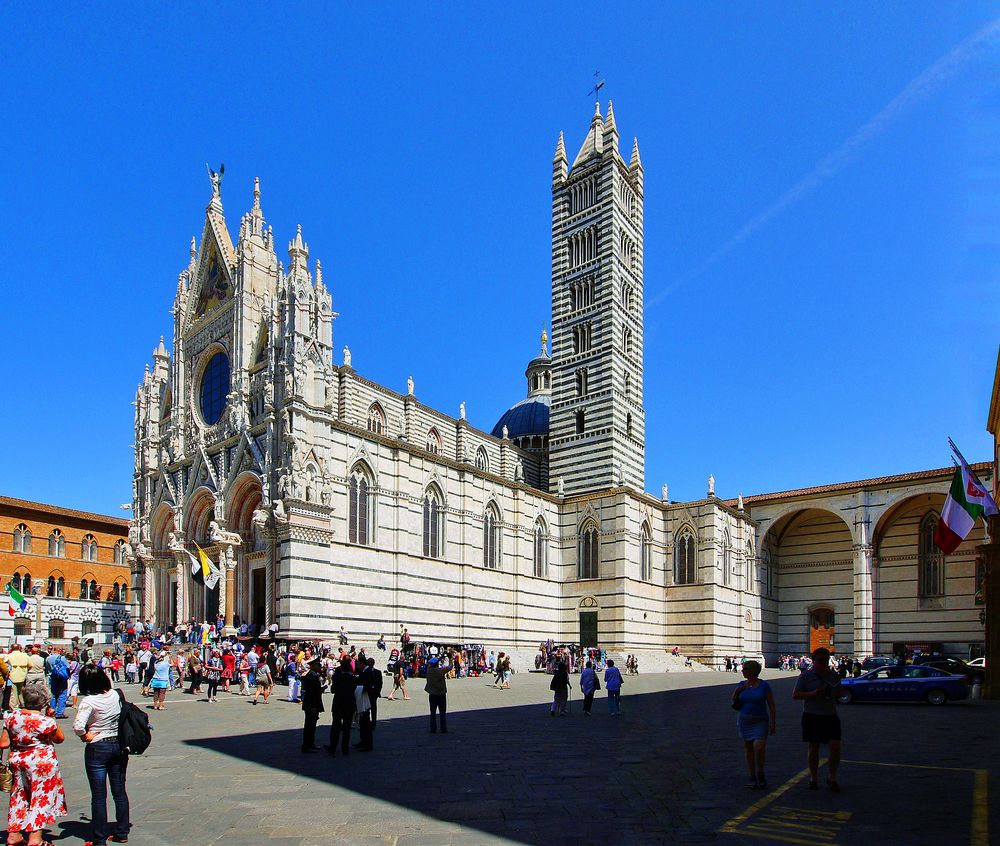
[760, 804]
[980, 811]
[913, 766]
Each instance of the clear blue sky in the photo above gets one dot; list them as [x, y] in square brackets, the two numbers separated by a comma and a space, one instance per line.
[844, 335]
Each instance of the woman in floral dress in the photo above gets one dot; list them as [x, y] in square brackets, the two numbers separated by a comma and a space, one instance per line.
[38, 796]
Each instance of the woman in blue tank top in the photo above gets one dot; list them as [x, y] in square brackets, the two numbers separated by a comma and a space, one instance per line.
[757, 718]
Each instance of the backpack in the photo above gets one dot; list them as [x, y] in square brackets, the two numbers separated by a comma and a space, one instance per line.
[59, 669]
[134, 731]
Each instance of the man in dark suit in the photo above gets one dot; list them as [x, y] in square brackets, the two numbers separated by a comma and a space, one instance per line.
[369, 681]
[376, 690]
[312, 704]
[343, 685]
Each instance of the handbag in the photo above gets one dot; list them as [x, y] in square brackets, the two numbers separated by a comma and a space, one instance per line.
[6, 778]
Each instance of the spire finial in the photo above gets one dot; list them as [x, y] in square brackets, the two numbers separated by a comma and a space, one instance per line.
[636, 162]
[256, 192]
[560, 149]
[194, 248]
[319, 273]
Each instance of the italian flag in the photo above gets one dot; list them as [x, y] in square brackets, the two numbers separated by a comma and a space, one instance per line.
[15, 602]
[967, 501]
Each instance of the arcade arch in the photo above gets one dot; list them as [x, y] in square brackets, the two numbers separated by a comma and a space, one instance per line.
[811, 551]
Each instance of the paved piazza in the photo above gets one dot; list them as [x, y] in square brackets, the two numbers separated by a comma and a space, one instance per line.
[670, 770]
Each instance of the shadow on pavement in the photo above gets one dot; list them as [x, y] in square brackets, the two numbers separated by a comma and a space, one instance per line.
[670, 770]
[517, 772]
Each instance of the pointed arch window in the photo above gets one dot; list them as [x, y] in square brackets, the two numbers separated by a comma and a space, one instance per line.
[541, 549]
[646, 553]
[57, 544]
[581, 382]
[684, 555]
[627, 341]
[361, 511]
[491, 538]
[930, 559]
[56, 587]
[588, 551]
[88, 548]
[749, 568]
[434, 442]
[482, 460]
[120, 551]
[376, 419]
[433, 523]
[22, 539]
[21, 583]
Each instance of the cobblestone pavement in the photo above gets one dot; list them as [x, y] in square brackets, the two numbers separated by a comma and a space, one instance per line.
[668, 771]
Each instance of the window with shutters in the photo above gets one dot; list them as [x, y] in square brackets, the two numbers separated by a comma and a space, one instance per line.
[57, 544]
[930, 559]
[433, 523]
[646, 553]
[541, 549]
[88, 548]
[492, 537]
[22, 539]
[684, 558]
[361, 510]
[589, 551]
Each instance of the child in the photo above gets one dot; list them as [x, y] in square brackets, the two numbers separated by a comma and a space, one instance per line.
[131, 670]
[116, 665]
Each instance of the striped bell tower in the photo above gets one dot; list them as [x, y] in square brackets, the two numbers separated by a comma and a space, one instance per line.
[598, 426]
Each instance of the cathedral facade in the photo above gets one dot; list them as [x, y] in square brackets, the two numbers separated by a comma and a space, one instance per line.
[328, 500]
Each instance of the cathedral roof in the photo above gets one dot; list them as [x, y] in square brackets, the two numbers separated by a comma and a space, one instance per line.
[529, 417]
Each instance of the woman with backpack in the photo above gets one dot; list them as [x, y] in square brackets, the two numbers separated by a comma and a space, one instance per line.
[96, 724]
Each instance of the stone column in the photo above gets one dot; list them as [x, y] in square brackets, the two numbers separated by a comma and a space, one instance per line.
[272, 550]
[990, 554]
[181, 568]
[229, 575]
[863, 621]
[147, 590]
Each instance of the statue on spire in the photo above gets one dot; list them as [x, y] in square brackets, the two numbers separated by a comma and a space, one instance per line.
[216, 179]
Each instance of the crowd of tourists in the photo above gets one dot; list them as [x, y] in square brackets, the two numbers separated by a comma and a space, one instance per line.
[844, 665]
[39, 686]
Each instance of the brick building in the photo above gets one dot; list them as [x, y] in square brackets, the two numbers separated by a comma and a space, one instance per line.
[69, 565]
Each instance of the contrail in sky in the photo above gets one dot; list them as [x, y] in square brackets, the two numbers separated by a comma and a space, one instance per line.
[916, 91]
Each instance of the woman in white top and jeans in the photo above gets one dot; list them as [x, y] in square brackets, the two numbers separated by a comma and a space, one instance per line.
[97, 725]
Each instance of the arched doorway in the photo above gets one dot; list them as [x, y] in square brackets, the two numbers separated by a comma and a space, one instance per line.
[822, 628]
[251, 561]
[203, 603]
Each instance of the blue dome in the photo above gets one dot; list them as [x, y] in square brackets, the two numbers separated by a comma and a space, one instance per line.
[529, 417]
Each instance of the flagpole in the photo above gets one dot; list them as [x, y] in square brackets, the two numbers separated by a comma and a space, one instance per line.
[958, 452]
